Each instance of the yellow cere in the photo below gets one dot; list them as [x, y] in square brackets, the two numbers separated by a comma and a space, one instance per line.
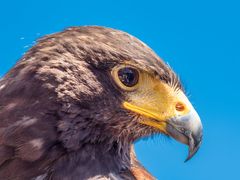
[156, 100]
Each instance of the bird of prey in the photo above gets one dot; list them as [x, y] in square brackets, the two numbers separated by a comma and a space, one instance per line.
[74, 104]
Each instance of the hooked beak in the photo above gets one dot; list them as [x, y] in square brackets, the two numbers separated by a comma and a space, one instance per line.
[188, 130]
[168, 110]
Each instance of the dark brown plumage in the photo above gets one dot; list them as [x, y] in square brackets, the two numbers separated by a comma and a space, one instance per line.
[61, 114]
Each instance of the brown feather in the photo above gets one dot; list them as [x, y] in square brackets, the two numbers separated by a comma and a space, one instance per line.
[61, 116]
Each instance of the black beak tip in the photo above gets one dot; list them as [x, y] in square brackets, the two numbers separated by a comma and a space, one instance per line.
[193, 149]
[190, 155]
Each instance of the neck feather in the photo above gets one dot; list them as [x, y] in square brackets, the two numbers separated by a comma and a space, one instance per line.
[93, 160]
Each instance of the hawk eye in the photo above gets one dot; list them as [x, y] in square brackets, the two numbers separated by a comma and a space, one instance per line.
[128, 76]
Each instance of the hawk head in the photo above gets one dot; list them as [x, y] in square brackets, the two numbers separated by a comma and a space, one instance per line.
[117, 87]
[89, 92]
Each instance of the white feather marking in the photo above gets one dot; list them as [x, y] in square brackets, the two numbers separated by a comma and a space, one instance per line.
[2, 86]
[37, 143]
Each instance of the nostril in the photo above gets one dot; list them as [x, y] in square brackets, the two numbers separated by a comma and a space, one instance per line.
[179, 106]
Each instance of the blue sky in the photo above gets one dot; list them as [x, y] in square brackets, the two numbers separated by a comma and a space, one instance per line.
[199, 39]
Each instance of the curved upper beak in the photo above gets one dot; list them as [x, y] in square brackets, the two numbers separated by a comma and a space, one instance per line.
[188, 130]
[169, 111]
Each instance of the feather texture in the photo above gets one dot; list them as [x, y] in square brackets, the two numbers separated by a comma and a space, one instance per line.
[60, 114]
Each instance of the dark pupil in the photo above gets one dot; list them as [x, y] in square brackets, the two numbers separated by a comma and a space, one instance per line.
[128, 76]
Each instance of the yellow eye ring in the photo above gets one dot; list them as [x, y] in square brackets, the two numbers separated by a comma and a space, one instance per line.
[126, 77]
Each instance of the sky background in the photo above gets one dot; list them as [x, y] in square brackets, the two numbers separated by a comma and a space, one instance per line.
[199, 39]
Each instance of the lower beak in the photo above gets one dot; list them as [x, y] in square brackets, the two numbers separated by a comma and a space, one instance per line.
[188, 130]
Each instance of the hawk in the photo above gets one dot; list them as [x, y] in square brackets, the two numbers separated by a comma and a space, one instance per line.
[74, 104]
